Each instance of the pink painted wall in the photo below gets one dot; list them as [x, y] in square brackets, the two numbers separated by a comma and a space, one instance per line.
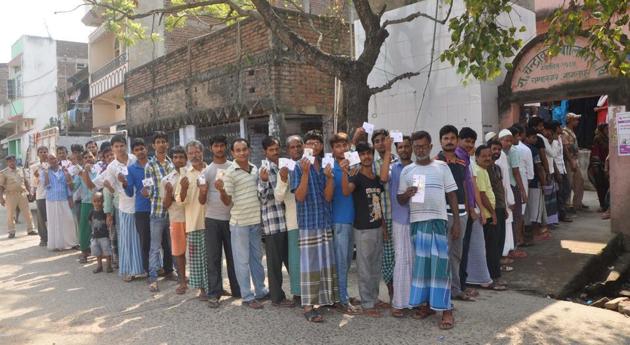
[619, 181]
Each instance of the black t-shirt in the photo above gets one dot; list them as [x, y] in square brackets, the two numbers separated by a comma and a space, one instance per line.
[98, 224]
[367, 201]
[458, 169]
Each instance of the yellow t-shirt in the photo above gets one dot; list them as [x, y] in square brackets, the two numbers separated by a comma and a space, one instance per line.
[483, 184]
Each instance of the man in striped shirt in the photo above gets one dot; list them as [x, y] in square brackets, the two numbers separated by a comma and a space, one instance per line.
[273, 221]
[238, 189]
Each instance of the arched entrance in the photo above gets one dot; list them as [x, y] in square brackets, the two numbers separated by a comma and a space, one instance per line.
[537, 78]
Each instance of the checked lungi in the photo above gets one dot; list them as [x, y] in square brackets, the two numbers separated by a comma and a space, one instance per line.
[318, 278]
[129, 250]
[431, 279]
[198, 265]
[387, 268]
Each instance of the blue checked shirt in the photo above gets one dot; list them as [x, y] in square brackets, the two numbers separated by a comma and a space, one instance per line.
[157, 171]
[57, 189]
[314, 213]
[272, 211]
[385, 196]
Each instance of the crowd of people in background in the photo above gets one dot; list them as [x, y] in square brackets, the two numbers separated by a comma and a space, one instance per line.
[433, 228]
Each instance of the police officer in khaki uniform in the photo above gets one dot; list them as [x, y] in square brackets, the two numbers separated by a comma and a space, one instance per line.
[13, 194]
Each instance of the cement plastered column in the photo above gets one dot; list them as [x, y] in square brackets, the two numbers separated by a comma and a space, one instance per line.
[510, 116]
[619, 178]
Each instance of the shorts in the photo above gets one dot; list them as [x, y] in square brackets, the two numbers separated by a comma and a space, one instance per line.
[101, 246]
[178, 238]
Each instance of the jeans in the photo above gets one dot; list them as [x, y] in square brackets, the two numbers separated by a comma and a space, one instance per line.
[455, 249]
[344, 242]
[41, 220]
[143, 226]
[160, 241]
[218, 240]
[247, 250]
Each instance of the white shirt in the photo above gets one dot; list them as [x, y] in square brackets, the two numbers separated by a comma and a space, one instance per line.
[527, 161]
[502, 162]
[37, 183]
[125, 203]
[549, 153]
[558, 157]
[282, 192]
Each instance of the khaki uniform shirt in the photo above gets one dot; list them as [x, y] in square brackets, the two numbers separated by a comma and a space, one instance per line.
[12, 180]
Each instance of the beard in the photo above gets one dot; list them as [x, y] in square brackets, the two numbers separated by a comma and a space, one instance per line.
[496, 156]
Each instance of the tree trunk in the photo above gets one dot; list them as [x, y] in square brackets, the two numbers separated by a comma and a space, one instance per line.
[355, 105]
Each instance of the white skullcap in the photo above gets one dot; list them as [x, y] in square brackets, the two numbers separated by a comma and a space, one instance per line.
[490, 135]
[504, 133]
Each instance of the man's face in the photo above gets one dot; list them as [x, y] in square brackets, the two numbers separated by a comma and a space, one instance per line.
[404, 150]
[422, 148]
[42, 154]
[218, 150]
[179, 160]
[119, 149]
[272, 152]
[76, 158]
[12, 163]
[97, 202]
[531, 140]
[339, 148]
[506, 142]
[92, 147]
[195, 155]
[316, 145]
[61, 154]
[89, 158]
[367, 157]
[548, 133]
[485, 158]
[449, 142]
[240, 152]
[108, 156]
[140, 151]
[467, 144]
[540, 127]
[496, 151]
[379, 143]
[52, 161]
[573, 122]
[295, 149]
[160, 145]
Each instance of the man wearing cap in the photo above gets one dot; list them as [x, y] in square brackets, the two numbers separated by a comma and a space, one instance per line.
[571, 150]
[13, 183]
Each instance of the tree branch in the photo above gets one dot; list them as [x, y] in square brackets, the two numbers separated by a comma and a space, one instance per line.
[370, 21]
[389, 84]
[174, 9]
[418, 14]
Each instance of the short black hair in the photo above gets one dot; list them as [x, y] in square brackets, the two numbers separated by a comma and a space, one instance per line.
[90, 142]
[514, 131]
[467, 133]
[105, 146]
[42, 148]
[159, 135]
[363, 147]
[555, 124]
[548, 125]
[63, 148]
[338, 138]
[380, 131]
[269, 141]
[421, 135]
[239, 140]
[535, 122]
[448, 129]
[76, 148]
[118, 138]
[519, 128]
[85, 152]
[137, 142]
[530, 131]
[480, 148]
[218, 139]
[405, 137]
[10, 158]
[178, 150]
[314, 135]
[493, 142]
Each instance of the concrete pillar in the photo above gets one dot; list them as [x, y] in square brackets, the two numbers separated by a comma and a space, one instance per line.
[243, 126]
[619, 182]
[510, 116]
[187, 134]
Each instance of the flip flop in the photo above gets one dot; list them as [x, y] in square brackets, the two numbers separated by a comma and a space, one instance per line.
[153, 287]
[494, 287]
[471, 292]
[422, 313]
[397, 313]
[517, 254]
[374, 312]
[506, 268]
[464, 297]
[313, 316]
[446, 325]
[180, 290]
[382, 305]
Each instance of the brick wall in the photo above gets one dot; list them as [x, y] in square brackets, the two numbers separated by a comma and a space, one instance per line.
[178, 37]
[239, 69]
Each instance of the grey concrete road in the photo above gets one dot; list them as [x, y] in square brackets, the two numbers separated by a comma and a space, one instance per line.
[49, 298]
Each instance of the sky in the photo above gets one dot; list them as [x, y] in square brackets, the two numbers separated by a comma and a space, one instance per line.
[37, 18]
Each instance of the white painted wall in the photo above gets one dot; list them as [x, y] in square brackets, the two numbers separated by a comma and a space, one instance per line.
[39, 75]
[447, 100]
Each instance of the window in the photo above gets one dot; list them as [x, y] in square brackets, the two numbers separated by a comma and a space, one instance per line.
[81, 66]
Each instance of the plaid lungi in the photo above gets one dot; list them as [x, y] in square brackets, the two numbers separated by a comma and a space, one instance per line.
[318, 277]
[431, 279]
[198, 265]
[387, 268]
[551, 203]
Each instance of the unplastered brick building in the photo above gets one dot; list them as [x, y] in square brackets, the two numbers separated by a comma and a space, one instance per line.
[237, 81]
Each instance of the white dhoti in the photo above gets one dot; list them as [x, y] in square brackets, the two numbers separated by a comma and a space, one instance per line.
[403, 265]
[509, 234]
[61, 226]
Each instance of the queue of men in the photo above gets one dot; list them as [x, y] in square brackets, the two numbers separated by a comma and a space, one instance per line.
[434, 229]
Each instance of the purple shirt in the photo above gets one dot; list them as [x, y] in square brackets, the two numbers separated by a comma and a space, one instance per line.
[400, 213]
[468, 183]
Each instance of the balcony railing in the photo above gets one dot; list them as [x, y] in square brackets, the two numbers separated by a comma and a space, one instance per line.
[109, 67]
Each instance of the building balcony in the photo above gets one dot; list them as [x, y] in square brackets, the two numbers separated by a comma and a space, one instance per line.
[109, 76]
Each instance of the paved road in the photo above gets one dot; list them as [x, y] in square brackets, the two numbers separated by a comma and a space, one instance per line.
[49, 298]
